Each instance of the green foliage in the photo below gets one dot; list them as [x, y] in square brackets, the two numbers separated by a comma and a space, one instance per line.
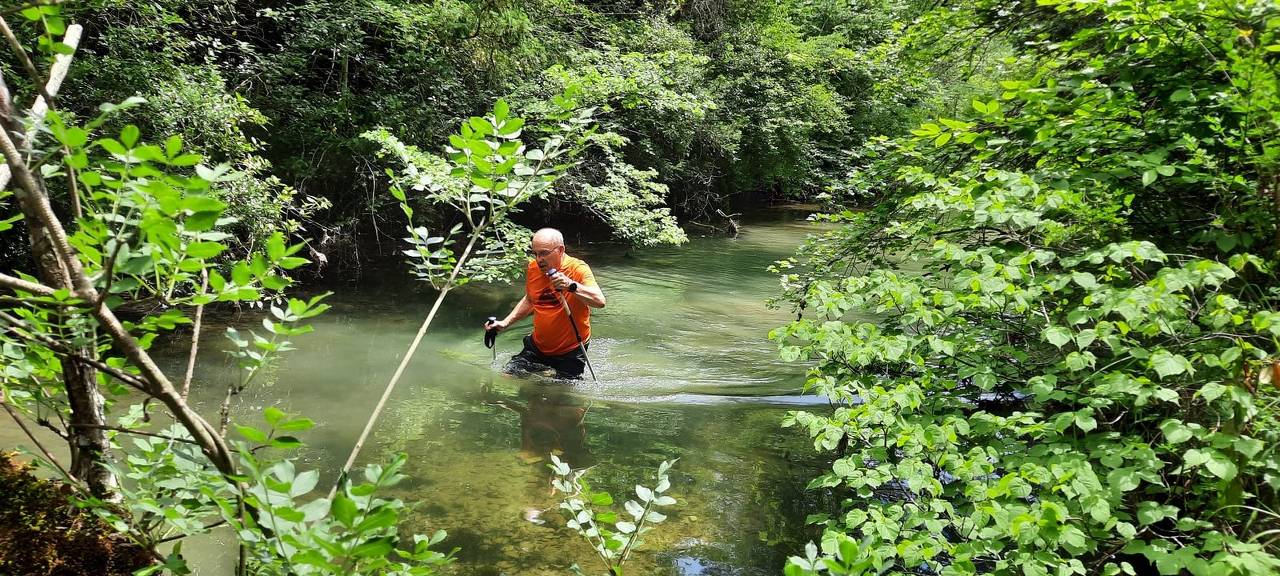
[153, 225]
[1051, 345]
[355, 532]
[770, 103]
[173, 492]
[489, 174]
[168, 53]
[580, 510]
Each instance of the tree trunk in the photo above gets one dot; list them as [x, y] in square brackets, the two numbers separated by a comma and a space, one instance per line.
[86, 432]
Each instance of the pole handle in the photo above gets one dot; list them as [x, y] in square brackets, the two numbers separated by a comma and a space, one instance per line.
[490, 334]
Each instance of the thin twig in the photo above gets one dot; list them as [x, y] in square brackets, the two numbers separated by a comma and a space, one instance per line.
[138, 432]
[404, 362]
[168, 539]
[195, 338]
[27, 64]
[17, 419]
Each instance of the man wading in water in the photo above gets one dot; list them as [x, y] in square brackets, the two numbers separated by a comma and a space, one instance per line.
[554, 342]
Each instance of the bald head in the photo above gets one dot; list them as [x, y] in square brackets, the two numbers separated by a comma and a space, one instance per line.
[548, 236]
[548, 248]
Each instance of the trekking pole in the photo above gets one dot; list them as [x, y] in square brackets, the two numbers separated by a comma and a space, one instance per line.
[574, 325]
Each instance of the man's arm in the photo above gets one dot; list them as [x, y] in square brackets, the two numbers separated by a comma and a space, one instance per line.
[589, 294]
[523, 308]
[592, 295]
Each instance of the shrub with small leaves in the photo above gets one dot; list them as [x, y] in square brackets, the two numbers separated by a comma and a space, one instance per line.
[612, 546]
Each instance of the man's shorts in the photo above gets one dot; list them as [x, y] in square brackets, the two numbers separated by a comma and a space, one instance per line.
[531, 360]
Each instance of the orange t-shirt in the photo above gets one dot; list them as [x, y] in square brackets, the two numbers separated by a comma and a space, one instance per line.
[552, 333]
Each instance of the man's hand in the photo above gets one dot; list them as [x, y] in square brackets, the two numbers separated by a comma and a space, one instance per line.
[498, 325]
[559, 281]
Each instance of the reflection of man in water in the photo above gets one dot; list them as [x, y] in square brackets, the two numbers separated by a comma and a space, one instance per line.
[554, 342]
[552, 421]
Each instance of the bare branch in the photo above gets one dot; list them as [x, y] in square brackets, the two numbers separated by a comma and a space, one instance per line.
[47, 454]
[139, 433]
[16, 283]
[195, 339]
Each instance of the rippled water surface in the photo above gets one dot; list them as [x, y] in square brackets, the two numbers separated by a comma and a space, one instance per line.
[685, 371]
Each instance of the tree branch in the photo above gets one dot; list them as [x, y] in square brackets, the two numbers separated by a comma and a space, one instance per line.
[138, 432]
[195, 339]
[31, 335]
[16, 283]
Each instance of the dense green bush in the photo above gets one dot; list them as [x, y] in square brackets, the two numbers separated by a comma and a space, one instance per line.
[1052, 345]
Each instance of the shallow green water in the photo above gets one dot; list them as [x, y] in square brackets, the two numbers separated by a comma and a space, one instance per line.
[685, 371]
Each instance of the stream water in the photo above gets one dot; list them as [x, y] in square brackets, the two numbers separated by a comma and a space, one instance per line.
[685, 371]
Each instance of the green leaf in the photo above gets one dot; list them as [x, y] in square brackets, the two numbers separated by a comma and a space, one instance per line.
[1057, 335]
[275, 247]
[343, 509]
[1148, 177]
[286, 443]
[186, 160]
[1175, 431]
[376, 548]
[1220, 465]
[1124, 479]
[172, 146]
[204, 250]
[380, 520]
[273, 415]
[112, 146]
[252, 434]
[1151, 512]
[1168, 364]
[129, 136]
[297, 424]
[1084, 419]
[511, 128]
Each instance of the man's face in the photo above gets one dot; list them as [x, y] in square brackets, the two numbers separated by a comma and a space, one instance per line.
[547, 254]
